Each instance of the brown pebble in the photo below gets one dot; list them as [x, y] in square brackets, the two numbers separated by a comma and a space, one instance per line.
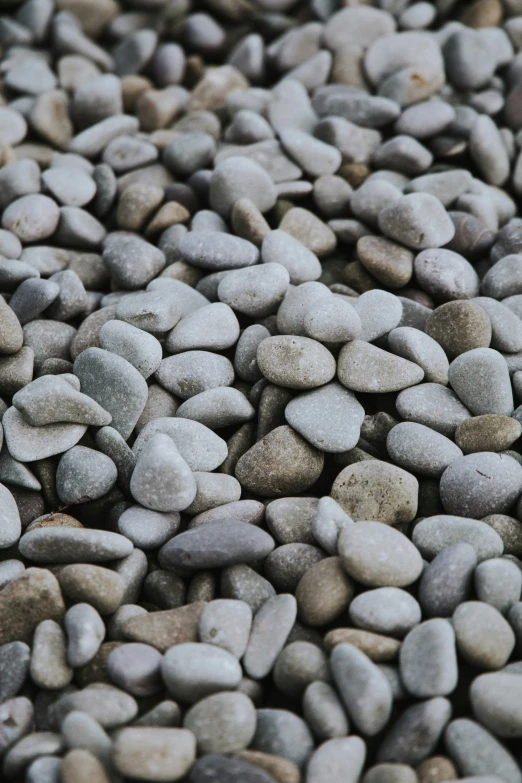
[164, 629]
[93, 15]
[168, 215]
[100, 587]
[26, 601]
[248, 222]
[509, 530]
[310, 231]
[157, 109]
[459, 326]
[483, 13]
[390, 263]
[80, 766]
[133, 87]
[358, 277]
[378, 648]
[50, 118]
[283, 770]
[437, 769]
[354, 173]
[137, 203]
[490, 432]
[54, 519]
[324, 592]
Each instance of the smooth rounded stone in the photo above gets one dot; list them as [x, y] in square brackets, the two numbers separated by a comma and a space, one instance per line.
[80, 730]
[49, 668]
[239, 177]
[14, 662]
[46, 769]
[16, 719]
[386, 610]
[226, 623]
[14, 126]
[324, 712]
[85, 632]
[281, 463]
[27, 443]
[484, 638]
[368, 201]
[228, 770]
[222, 544]
[281, 247]
[242, 583]
[104, 703]
[10, 245]
[433, 534]
[376, 490]
[213, 490]
[377, 555]
[447, 581]
[131, 261]
[364, 690]
[390, 773]
[270, 629]
[135, 668]
[218, 407]
[299, 664]
[9, 570]
[428, 659]
[164, 589]
[162, 480]
[417, 220]
[508, 529]
[498, 582]
[420, 449]
[52, 399]
[216, 251]
[445, 275]
[12, 273]
[505, 325]
[189, 153]
[416, 733]
[290, 519]
[193, 671]
[379, 311]
[284, 734]
[154, 752]
[285, 566]
[366, 368]
[480, 484]
[503, 279]
[389, 263]
[298, 300]
[32, 297]
[495, 700]
[245, 357]
[201, 448]
[251, 511]
[148, 529]
[31, 218]
[477, 752]
[72, 189]
[488, 151]
[404, 154]
[63, 544]
[433, 405]
[125, 153]
[222, 723]
[114, 384]
[332, 320]
[84, 474]
[160, 404]
[425, 119]
[102, 588]
[139, 348]
[213, 327]
[30, 747]
[11, 339]
[308, 229]
[295, 362]
[153, 311]
[328, 522]
[25, 601]
[422, 349]
[480, 378]
[257, 291]
[329, 418]
[459, 326]
[10, 524]
[341, 760]
[312, 155]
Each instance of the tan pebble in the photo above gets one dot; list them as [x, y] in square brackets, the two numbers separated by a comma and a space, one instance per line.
[437, 769]
[378, 648]
[80, 766]
[283, 770]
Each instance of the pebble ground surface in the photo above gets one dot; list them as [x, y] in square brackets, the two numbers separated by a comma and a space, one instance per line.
[260, 369]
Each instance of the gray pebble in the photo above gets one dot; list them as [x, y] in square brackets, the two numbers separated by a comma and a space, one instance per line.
[139, 348]
[329, 521]
[433, 405]
[283, 733]
[244, 584]
[285, 566]
[52, 399]
[135, 668]
[332, 320]
[495, 700]
[477, 752]
[416, 733]
[201, 448]
[418, 347]
[341, 759]
[73, 545]
[131, 261]
[480, 484]
[148, 529]
[85, 632]
[215, 250]
[420, 449]
[363, 367]
[245, 357]
[212, 327]
[14, 662]
[226, 623]
[428, 659]
[380, 312]
[257, 291]
[433, 534]
[84, 474]
[446, 275]
[447, 580]
[193, 671]
[417, 220]
[270, 630]
[27, 443]
[70, 188]
[32, 297]
[10, 524]
[386, 610]
[49, 668]
[378, 555]
[238, 177]
[498, 582]
[222, 723]
[329, 418]
[110, 706]
[31, 218]
[192, 372]
[324, 712]
[484, 638]
[471, 375]
[177, 488]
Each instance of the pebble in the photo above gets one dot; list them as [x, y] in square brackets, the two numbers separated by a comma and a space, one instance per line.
[215, 250]
[237, 177]
[498, 582]
[480, 484]
[363, 367]
[484, 637]
[494, 700]
[222, 723]
[416, 733]
[433, 405]
[386, 610]
[482, 396]
[420, 449]
[177, 488]
[85, 632]
[459, 326]
[433, 534]
[422, 349]
[417, 220]
[329, 418]
[145, 751]
[226, 623]
[428, 659]
[84, 474]
[48, 667]
[148, 529]
[376, 490]
[193, 671]
[270, 630]
[63, 544]
[447, 581]
[100, 587]
[378, 555]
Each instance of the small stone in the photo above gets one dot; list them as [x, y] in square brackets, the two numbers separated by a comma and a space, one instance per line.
[421, 450]
[378, 555]
[417, 220]
[446, 275]
[498, 582]
[201, 448]
[215, 250]
[376, 490]
[363, 367]
[154, 751]
[432, 535]
[256, 292]
[477, 485]
[386, 610]
[193, 671]
[100, 587]
[416, 733]
[212, 327]
[422, 349]
[148, 529]
[135, 668]
[49, 668]
[490, 432]
[309, 230]
[64, 544]
[484, 637]
[388, 262]
[31, 218]
[459, 326]
[428, 660]
[14, 660]
[446, 582]
[237, 178]
[222, 723]
[433, 405]
[495, 702]
[332, 320]
[477, 752]
[341, 759]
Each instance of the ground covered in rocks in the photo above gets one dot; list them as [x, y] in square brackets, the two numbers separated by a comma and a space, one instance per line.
[260, 363]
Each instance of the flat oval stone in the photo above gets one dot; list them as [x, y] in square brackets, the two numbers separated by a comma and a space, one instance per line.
[108, 705]
[490, 432]
[219, 407]
[84, 474]
[73, 545]
[363, 367]
[364, 690]
[447, 580]
[417, 220]
[477, 752]
[480, 484]
[484, 638]
[481, 380]
[433, 534]
[329, 418]
[377, 490]
[212, 327]
[386, 610]
[226, 623]
[201, 448]
[193, 671]
[215, 250]
[222, 723]
[10, 524]
[238, 177]
[378, 555]
[496, 702]
[338, 759]
[217, 546]
[153, 750]
[295, 362]
[102, 588]
[416, 733]
[114, 384]
[428, 659]
[135, 668]
[433, 405]
[459, 326]
[148, 529]
[49, 668]
[323, 593]
[27, 443]
[421, 449]
[270, 630]
[193, 372]
[26, 601]
[281, 463]
[85, 632]
[324, 712]
[420, 348]
[280, 247]
[498, 582]
[283, 733]
[446, 275]
[161, 479]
